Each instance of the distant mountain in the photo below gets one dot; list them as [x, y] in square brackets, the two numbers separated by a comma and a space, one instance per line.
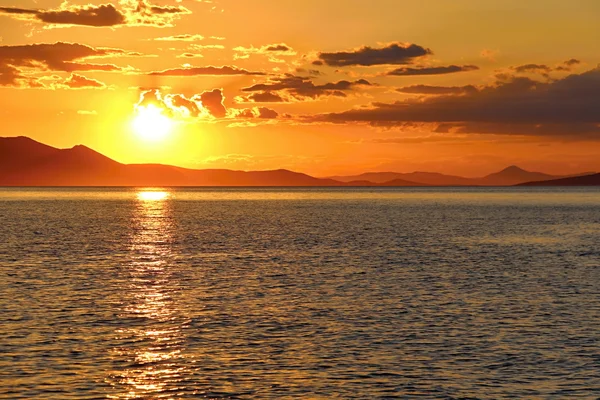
[374, 177]
[585, 180]
[416, 178]
[25, 162]
[401, 182]
[513, 175]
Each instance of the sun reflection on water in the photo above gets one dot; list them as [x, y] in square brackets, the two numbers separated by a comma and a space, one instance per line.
[150, 356]
[152, 195]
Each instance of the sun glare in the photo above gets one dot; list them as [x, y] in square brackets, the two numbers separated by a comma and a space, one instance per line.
[152, 195]
[151, 123]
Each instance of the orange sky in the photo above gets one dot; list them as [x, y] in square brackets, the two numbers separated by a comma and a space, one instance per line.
[323, 87]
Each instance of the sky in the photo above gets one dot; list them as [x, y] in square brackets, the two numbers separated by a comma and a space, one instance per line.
[463, 87]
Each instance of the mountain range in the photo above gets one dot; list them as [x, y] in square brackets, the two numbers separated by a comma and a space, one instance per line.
[509, 176]
[25, 162]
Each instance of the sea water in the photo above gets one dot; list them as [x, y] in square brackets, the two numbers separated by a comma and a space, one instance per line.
[299, 293]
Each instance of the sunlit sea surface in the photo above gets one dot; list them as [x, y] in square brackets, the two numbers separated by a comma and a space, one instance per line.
[299, 293]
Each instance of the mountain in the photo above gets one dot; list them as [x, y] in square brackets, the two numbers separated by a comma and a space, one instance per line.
[513, 175]
[416, 178]
[25, 162]
[585, 180]
[400, 182]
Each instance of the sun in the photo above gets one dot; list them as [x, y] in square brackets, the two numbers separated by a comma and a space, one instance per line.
[150, 123]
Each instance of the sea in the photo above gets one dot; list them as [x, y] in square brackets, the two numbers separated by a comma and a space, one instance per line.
[316, 293]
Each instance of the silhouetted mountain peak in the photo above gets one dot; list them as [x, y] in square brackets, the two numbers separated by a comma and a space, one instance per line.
[513, 169]
[22, 141]
[84, 153]
[514, 175]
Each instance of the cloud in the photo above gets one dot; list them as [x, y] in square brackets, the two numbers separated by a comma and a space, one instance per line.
[133, 12]
[272, 51]
[181, 106]
[87, 112]
[210, 70]
[213, 102]
[567, 106]
[207, 46]
[90, 15]
[489, 54]
[532, 68]
[191, 106]
[208, 105]
[190, 55]
[313, 72]
[303, 87]
[144, 13]
[76, 81]
[255, 112]
[540, 69]
[545, 70]
[60, 56]
[393, 54]
[261, 97]
[450, 69]
[280, 48]
[417, 139]
[568, 65]
[574, 130]
[437, 90]
[571, 62]
[181, 38]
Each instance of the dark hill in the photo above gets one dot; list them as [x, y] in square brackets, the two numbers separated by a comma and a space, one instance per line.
[586, 180]
[513, 175]
[25, 162]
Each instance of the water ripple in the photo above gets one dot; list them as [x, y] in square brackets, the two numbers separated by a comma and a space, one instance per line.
[350, 294]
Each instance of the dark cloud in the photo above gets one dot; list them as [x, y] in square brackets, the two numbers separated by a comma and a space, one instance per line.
[313, 72]
[395, 53]
[536, 68]
[540, 69]
[210, 70]
[437, 90]
[545, 70]
[134, 12]
[450, 69]
[59, 56]
[267, 113]
[213, 102]
[76, 81]
[190, 55]
[90, 15]
[565, 106]
[279, 48]
[571, 62]
[263, 97]
[303, 87]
